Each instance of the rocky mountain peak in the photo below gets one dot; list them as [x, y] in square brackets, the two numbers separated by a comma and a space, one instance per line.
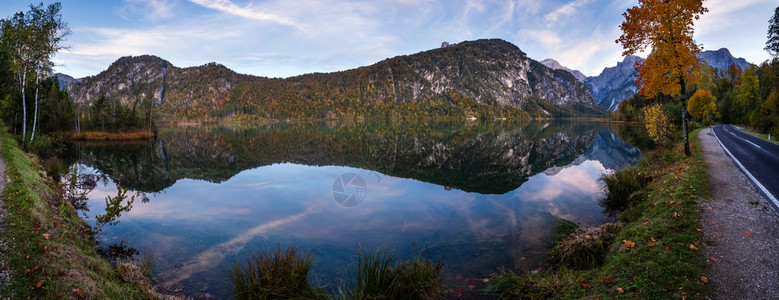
[615, 84]
[722, 59]
[555, 65]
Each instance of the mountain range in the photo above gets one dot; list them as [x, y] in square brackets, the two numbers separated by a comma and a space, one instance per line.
[492, 75]
[483, 74]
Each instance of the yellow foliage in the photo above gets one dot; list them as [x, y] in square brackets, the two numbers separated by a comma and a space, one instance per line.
[702, 105]
[657, 123]
[666, 27]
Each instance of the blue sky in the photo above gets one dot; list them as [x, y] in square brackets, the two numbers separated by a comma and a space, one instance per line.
[281, 38]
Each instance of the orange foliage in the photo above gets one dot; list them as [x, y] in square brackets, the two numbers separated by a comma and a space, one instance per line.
[666, 27]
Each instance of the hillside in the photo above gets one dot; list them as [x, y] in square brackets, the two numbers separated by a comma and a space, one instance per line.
[467, 78]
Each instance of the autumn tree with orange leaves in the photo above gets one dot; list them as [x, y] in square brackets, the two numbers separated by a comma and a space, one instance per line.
[665, 27]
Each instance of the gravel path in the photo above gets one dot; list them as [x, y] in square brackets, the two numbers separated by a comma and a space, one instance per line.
[741, 230]
[4, 272]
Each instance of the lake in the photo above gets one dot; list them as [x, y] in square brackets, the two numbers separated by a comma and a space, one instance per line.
[477, 196]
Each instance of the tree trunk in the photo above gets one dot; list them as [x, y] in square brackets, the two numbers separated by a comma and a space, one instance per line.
[684, 119]
[23, 80]
[35, 116]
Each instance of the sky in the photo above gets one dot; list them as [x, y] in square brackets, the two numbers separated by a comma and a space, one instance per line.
[282, 38]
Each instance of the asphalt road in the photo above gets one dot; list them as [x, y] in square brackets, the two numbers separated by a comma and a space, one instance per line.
[759, 159]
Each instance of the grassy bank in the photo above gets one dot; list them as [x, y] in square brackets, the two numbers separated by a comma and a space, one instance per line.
[51, 250]
[654, 254]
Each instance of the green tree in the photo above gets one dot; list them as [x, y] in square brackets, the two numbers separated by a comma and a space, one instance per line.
[667, 28]
[772, 45]
[747, 95]
[33, 38]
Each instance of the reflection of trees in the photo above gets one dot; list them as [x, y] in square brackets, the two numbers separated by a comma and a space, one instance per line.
[484, 158]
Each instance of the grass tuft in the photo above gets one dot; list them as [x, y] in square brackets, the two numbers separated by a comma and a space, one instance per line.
[622, 187]
[279, 273]
[584, 248]
[376, 274]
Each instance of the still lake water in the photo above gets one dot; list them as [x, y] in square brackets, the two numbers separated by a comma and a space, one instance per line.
[477, 196]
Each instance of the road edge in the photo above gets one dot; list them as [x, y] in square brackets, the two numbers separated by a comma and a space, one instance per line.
[754, 180]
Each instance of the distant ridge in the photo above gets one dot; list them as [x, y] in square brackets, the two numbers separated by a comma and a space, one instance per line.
[618, 83]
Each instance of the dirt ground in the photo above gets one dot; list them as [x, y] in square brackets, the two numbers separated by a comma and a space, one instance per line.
[741, 231]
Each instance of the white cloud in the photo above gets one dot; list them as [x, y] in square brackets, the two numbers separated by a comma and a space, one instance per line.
[548, 39]
[247, 12]
[723, 14]
[564, 11]
[150, 9]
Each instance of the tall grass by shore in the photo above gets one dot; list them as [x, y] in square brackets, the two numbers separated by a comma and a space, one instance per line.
[282, 273]
[107, 135]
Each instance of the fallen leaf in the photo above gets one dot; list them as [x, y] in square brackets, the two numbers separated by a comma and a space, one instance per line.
[620, 290]
[749, 234]
[459, 277]
[587, 236]
[46, 236]
[710, 207]
[522, 258]
[78, 292]
[647, 222]
[651, 244]
[470, 287]
[699, 230]
[40, 283]
[485, 280]
[628, 244]
[584, 284]
[712, 223]
[704, 279]
[609, 281]
[653, 239]
[718, 234]
[714, 259]
[693, 248]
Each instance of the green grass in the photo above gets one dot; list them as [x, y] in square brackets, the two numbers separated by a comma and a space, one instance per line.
[52, 253]
[751, 132]
[656, 253]
[280, 273]
[377, 274]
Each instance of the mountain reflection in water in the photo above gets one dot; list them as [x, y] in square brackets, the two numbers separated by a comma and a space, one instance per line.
[478, 196]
